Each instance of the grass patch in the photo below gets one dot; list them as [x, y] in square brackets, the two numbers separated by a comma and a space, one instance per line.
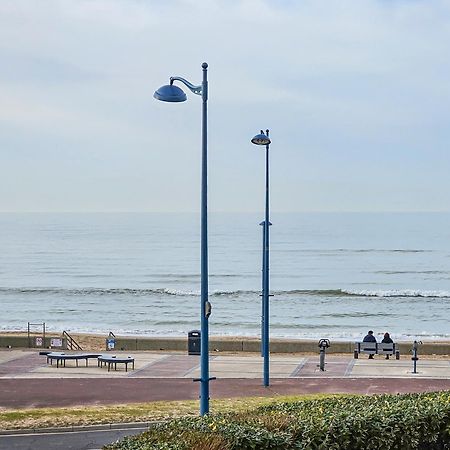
[136, 412]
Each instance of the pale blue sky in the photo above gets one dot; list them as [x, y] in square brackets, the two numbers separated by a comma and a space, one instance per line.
[356, 94]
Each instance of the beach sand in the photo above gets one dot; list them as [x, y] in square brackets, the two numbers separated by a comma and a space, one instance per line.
[89, 342]
[97, 342]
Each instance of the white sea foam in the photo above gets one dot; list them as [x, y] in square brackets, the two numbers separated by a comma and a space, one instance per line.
[397, 293]
[178, 292]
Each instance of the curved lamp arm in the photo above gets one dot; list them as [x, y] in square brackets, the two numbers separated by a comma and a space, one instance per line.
[195, 89]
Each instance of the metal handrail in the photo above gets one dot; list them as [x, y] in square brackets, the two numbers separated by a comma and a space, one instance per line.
[72, 344]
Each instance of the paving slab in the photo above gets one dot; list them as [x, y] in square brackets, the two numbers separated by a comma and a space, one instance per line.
[394, 368]
[22, 363]
[169, 366]
[334, 367]
[43, 370]
[247, 367]
[8, 355]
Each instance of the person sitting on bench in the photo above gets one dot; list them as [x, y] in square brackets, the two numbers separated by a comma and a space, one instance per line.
[387, 340]
[370, 338]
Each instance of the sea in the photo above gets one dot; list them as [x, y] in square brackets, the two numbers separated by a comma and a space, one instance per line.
[332, 275]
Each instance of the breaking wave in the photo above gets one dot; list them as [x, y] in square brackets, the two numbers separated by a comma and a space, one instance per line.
[92, 291]
[398, 293]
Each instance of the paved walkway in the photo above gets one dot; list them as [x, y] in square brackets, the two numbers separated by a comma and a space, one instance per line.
[28, 364]
[27, 381]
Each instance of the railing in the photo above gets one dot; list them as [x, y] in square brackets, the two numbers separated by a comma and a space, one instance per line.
[71, 343]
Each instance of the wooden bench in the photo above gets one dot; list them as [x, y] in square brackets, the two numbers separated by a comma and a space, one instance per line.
[109, 361]
[375, 348]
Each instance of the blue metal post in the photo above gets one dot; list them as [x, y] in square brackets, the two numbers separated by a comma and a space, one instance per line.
[172, 93]
[266, 349]
[204, 350]
[263, 272]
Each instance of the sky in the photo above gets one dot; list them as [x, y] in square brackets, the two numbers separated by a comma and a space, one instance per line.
[356, 94]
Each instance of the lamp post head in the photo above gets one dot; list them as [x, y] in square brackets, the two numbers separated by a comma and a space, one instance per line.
[261, 139]
[170, 93]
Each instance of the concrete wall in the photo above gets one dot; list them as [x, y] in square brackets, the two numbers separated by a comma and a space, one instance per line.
[254, 345]
[217, 344]
[12, 341]
[165, 344]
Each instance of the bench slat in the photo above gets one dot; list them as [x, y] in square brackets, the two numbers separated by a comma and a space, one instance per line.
[376, 348]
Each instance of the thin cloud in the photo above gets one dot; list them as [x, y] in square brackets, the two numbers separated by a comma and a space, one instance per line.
[346, 88]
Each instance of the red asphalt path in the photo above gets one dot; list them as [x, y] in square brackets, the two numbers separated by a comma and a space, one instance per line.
[41, 392]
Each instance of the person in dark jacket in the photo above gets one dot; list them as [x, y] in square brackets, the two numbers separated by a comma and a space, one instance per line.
[369, 338]
[387, 340]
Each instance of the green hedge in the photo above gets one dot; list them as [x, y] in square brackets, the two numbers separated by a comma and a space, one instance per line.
[406, 422]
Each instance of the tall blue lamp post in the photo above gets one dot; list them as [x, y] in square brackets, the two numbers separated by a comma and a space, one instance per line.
[263, 139]
[172, 93]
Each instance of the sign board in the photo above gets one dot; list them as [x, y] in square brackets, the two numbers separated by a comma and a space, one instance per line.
[110, 344]
[56, 342]
[39, 342]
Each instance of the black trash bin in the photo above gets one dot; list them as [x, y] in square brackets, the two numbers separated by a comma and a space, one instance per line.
[194, 338]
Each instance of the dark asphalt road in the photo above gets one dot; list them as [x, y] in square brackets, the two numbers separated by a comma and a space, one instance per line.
[74, 440]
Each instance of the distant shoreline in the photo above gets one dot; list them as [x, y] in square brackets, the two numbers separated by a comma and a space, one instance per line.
[229, 337]
[99, 335]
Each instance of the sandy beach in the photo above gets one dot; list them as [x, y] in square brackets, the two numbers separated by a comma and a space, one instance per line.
[89, 342]
[97, 342]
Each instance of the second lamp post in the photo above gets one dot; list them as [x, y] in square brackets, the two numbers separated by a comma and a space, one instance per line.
[263, 139]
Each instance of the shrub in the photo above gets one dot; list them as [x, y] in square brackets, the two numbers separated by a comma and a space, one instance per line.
[401, 422]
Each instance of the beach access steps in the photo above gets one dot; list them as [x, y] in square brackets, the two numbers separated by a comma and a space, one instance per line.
[72, 344]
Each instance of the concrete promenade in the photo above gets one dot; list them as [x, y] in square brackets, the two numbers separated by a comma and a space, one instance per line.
[26, 380]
